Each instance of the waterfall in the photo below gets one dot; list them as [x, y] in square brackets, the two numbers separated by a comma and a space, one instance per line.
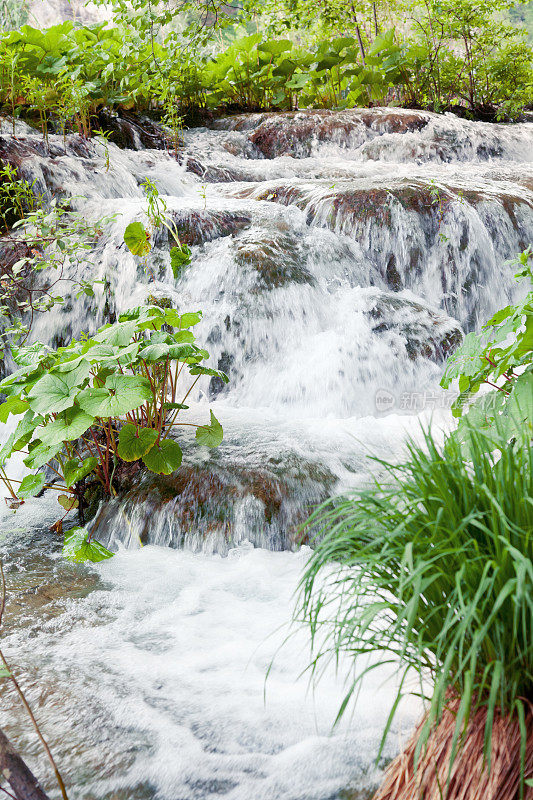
[338, 258]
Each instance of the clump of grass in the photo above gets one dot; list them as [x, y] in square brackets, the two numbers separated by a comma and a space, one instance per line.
[432, 568]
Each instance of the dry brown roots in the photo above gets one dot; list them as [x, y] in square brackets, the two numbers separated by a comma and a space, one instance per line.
[470, 779]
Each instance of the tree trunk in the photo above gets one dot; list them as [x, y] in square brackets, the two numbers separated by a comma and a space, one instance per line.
[23, 782]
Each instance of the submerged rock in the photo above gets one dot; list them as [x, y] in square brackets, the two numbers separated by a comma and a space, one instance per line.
[384, 134]
[427, 333]
[199, 226]
[276, 259]
[132, 132]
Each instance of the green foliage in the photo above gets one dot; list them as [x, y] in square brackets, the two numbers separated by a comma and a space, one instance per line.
[500, 357]
[137, 237]
[43, 239]
[456, 53]
[16, 196]
[431, 568]
[78, 546]
[104, 399]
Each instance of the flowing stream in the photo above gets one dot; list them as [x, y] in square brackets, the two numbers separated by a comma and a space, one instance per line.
[337, 257]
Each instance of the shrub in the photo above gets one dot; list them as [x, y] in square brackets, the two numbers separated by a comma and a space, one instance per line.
[104, 399]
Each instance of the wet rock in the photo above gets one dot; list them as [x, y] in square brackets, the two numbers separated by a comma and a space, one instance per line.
[133, 133]
[392, 275]
[197, 227]
[427, 333]
[276, 260]
[296, 132]
[215, 505]
[216, 384]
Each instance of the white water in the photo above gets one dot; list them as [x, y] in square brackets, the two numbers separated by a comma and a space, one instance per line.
[330, 277]
[155, 684]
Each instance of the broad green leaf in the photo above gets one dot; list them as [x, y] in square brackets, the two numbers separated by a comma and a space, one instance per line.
[68, 501]
[137, 239]
[186, 320]
[21, 376]
[112, 354]
[56, 392]
[183, 337]
[210, 435]
[285, 68]
[25, 428]
[164, 457]
[275, 47]
[119, 334]
[216, 373]
[121, 394]
[29, 354]
[146, 317]
[180, 257]
[499, 316]
[7, 449]
[75, 470]
[141, 314]
[67, 426]
[77, 548]
[466, 360]
[134, 443]
[520, 403]
[154, 352]
[183, 352]
[13, 405]
[41, 455]
[31, 485]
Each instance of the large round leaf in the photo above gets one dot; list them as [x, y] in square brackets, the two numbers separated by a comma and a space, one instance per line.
[275, 47]
[134, 442]
[186, 320]
[31, 485]
[137, 239]
[75, 470]
[164, 457]
[77, 548]
[119, 334]
[13, 405]
[121, 394]
[41, 455]
[179, 258]
[57, 391]
[210, 435]
[66, 427]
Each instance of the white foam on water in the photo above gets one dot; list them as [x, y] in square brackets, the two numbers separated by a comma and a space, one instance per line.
[168, 665]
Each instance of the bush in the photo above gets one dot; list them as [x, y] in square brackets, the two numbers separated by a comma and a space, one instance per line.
[105, 399]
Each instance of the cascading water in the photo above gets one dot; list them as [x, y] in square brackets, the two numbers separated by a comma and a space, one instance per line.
[337, 257]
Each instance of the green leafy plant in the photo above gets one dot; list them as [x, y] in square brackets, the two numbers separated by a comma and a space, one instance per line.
[41, 246]
[501, 357]
[17, 198]
[103, 400]
[137, 237]
[430, 569]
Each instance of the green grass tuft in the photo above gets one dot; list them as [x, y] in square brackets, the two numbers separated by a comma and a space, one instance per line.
[432, 568]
